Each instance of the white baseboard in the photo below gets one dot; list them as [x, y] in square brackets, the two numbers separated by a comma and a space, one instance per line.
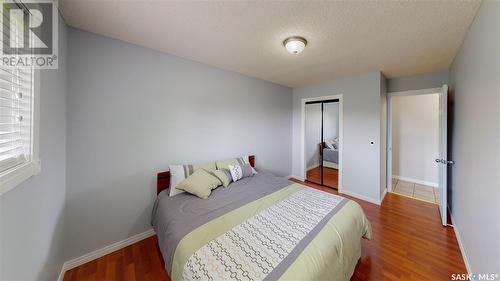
[296, 177]
[429, 183]
[104, 251]
[328, 164]
[352, 194]
[383, 195]
[61, 274]
[312, 167]
[460, 244]
[362, 197]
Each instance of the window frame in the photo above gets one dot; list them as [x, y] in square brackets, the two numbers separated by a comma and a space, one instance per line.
[14, 176]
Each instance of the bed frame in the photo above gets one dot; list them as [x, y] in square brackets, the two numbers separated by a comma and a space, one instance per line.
[163, 178]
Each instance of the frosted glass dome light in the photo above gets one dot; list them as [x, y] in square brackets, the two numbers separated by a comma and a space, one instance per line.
[295, 45]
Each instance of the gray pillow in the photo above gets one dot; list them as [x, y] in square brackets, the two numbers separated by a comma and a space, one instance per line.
[224, 176]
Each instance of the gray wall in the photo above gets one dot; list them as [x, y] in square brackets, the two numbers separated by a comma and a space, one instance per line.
[32, 214]
[476, 140]
[415, 138]
[133, 111]
[434, 79]
[361, 124]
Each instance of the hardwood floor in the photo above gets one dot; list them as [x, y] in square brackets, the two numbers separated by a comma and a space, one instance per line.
[409, 243]
[330, 176]
[137, 262]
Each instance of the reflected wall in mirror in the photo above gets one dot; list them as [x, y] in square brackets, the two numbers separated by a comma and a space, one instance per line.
[312, 139]
[330, 163]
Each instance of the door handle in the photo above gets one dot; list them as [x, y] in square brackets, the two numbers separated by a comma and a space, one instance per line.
[449, 162]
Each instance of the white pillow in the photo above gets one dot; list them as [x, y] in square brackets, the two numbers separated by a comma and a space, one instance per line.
[335, 144]
[176, 176]
[236, 172]
[329, 144]
[240, 171]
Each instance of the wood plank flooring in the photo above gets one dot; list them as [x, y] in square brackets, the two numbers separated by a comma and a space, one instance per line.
[409, 243]
[137, 262]
[330, 176]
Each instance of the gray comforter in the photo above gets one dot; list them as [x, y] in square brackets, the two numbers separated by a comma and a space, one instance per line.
[174, 217]
[330, 155]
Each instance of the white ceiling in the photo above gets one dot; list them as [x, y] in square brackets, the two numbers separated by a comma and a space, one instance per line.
[345, 37]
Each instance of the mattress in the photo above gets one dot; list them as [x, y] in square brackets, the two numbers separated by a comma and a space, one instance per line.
[262, 228]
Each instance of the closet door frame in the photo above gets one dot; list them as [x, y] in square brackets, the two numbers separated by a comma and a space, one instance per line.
[341, 133]
[322, 102]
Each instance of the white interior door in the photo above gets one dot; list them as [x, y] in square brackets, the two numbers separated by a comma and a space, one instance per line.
[442, 161]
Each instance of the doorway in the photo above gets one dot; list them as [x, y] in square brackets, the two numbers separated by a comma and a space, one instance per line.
[417, 145]
[322, 141]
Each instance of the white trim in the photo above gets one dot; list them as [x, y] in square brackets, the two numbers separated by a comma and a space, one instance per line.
[460, 244]
[312, 167]
[388, 141]
[331, 165]
[61, 274]
[383, 196]
[302, 134]
[36, 120]
[429, 183]
[415, 92]
[104, 251]
[389, 125]
[362, 197]
[13, 177]
[296, 177]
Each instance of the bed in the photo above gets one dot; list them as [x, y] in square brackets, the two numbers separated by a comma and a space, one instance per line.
[259, 228]
[330, 156]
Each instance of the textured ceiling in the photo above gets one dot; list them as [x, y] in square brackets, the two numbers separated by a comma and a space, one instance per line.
[345, 37]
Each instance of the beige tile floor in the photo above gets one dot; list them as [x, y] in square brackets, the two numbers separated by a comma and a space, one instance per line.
[415, 190]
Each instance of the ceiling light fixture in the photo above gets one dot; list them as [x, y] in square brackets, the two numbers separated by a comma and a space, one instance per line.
[295, 44]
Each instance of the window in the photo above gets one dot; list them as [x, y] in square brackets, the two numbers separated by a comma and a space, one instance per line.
[18, 138]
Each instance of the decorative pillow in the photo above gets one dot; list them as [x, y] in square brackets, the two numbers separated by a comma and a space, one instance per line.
[180, 172]
[335, 143]
[224, 176]
[240, 171]
[200, 183]
[329, 144]
[224, 164]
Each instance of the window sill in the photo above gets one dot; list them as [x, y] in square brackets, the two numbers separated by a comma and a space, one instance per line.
[15, 176]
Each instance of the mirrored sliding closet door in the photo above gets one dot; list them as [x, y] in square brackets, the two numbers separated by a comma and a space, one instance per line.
[322, 142]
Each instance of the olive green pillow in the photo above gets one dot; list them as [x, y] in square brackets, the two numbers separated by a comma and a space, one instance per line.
[199, 183]
[224, 176]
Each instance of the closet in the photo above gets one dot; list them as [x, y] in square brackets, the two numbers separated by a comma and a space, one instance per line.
[322, 142]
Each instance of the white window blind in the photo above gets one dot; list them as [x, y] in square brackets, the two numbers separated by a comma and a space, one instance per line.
[16, 106]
